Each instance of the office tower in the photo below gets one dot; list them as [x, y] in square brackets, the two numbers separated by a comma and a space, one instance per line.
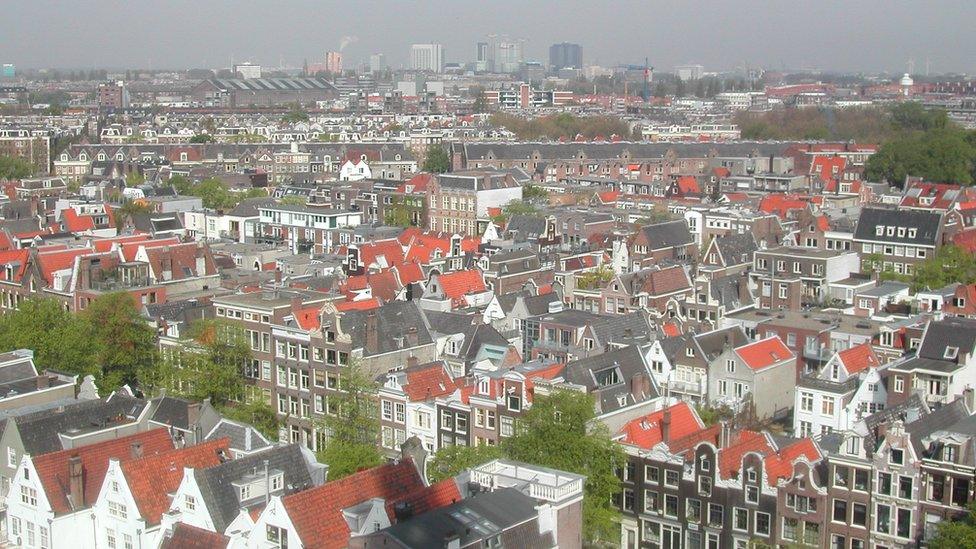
[565, 56]
[377, 62]
[504, 55]
[427, 57]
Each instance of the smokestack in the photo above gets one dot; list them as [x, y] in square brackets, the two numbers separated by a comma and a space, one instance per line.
[76, 482]
[666, 425]
[372, 336]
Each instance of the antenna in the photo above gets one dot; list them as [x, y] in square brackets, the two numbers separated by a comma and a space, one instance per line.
[911, 65]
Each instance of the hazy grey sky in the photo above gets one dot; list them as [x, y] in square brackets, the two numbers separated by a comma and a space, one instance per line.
[829, 34]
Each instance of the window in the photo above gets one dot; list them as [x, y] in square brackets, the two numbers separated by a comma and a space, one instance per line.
[705, 486]
[905, 487]
[730, 366]
[110, 539]
[752, 494]
[693, 510]
[740, 519]
[860, 480]
[842, 476]
[789, 528]
[117, 510]
[859, 514]
[904, 526]
[671, 505]
[628, 499]
[882, 519]
[716, 515]
[899, 384]
[651, 474]
[670, 478]
[650, 501]
[28, 496]
[278, 537]
[827, 406]
[11, 457]
[806, 402]
[897, 456]
[884, 483]
[762, 523]
[840, 511]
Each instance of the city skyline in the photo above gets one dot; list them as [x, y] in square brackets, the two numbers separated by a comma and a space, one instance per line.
[721, 37]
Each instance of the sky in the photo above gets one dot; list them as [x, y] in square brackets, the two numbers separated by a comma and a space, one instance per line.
[849, 36]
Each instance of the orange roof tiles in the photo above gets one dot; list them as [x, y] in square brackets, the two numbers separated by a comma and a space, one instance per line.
[153, 478]
[461, 283]
[764, 353]
[317, 512]
[362, 305]
[743, 442]
[185, 536]
[428, 381]
[780, 465]
[858, 358]
[52, 468]
[646, 432]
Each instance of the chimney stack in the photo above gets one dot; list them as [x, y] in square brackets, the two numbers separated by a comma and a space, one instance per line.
[411, 361]
[372, 336]
[76, 482]
[136, 449]
[666, 425]
[725, 434]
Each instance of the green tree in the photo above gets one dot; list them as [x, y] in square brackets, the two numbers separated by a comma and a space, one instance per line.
[202, 138]
[293, 201]
[126, 344]
[257, 413]
[942, 155]
[129, 208]
[295, 115]
[353, 428]
[437, 160]
[560, 431]
[450, 461]
[949, 264]
[399, 215]
[534, 192]
[60, 340]
[13, 167]
[214, 194]
[181, 184]
[952, 534]
[480, 103]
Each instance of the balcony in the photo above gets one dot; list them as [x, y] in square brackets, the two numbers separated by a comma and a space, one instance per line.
[537, 482]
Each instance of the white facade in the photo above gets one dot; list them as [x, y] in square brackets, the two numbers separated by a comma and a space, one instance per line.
[351, 171]
[427, 57]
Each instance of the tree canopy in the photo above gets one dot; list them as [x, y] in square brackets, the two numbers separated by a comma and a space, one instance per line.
[437, 160]
[352, 425]
[951, 534]
[13, 167]
[202, 138]
[108, 340]
[949, 264]
[559, 431]
[450, 461]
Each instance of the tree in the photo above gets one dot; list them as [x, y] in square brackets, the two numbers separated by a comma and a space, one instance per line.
[437, 160]
[214, 194]
[941, 155]
[480, 103]
[60, 341]
[352, 427]
[293, 201]
[295, 115]
[450, 461]
[951, 534]
[559, 431]
[129, 208]
[398, 215]
[126, 342]
[181, 184]
[202, 138]
[949, 264]
[13, 167]
[257, 413]
[534, 192]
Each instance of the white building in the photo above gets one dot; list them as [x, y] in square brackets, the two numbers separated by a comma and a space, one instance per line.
[845, 390]
[427, 57]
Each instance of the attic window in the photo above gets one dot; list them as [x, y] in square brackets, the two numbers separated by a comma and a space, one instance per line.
[951, 353]
[912, 233]
[689, 352]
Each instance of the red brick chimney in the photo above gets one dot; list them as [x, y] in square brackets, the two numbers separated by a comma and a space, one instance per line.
[76, 482]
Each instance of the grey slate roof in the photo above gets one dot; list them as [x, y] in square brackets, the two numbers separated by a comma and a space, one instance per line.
[927, 225]
[39, 431]
[667, 234]
[606, 151]
[711, 344]
[592, 373]
[737, 248]
[940, 419]
[392, 321]
[950, 332]
[221, 497]
[476, 519]
[243, 438]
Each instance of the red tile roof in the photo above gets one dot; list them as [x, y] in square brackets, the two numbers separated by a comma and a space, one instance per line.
[646, 432]
[74, 223]
[687, 184]
[780, 465]
[153, 478]
[458, 284]
[52, 468]
[782, 204]
[130, 248]
[743, 442]
[416, 184]
[966, 240]
[106, 244]
[317, 512]
[764, 353]
[185, 536]
[858, 358]
[50, 262]
[428, 381]
[11, 256]
[362, 305]
[308, 318]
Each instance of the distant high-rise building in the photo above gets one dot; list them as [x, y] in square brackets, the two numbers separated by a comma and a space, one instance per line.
[9, 71]
[504, 55]
[565, 56]
[113, 95]
[689, 72]
[333, 61]
[248, 70]
[427, 57]
[377, 62]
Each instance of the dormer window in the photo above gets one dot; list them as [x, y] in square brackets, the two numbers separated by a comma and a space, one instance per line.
[912, 233]
[951, 353]
[689, 352]
[949, 452]
[879, 230]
